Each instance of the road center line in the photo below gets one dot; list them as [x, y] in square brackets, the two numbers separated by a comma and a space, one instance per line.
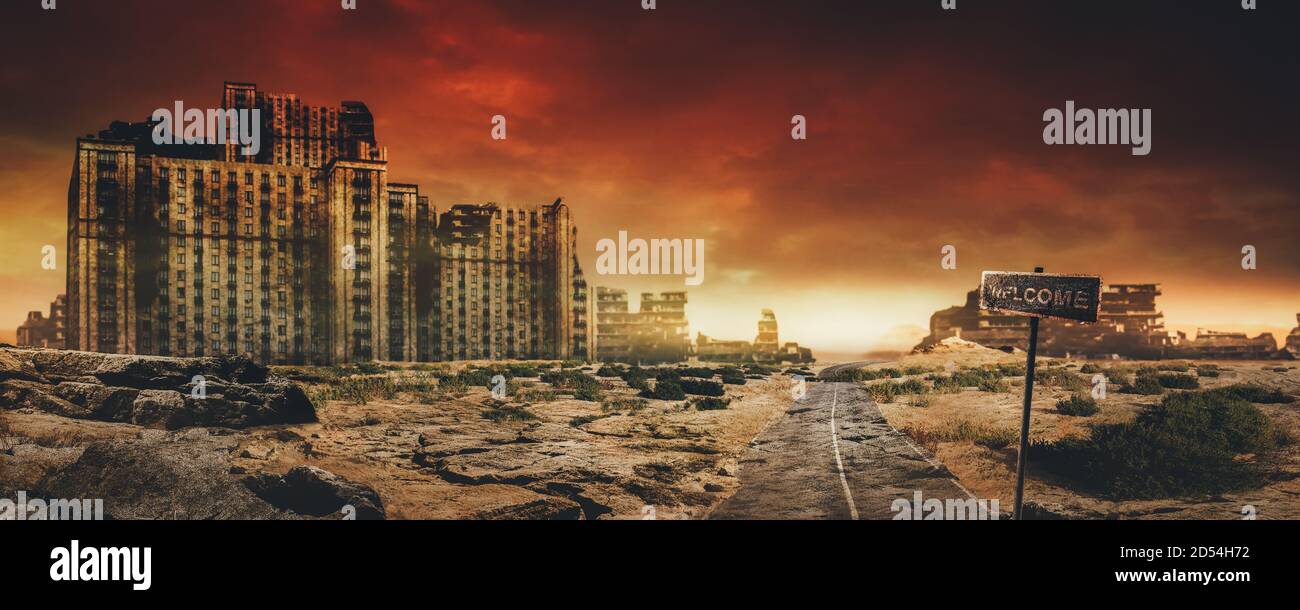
[835, 442]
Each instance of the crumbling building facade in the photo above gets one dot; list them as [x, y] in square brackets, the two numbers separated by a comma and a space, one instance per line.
[305, 252]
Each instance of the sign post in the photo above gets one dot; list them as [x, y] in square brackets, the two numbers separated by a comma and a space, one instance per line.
[1073, 297]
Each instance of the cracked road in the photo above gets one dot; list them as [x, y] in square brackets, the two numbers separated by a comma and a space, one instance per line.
[803, 467]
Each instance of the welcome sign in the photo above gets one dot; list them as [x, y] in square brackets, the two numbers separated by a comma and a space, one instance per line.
[1042, 295]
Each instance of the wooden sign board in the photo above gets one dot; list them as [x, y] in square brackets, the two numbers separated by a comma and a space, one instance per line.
[1042, 295]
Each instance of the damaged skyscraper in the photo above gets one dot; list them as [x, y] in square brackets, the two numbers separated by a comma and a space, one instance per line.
[306, 252]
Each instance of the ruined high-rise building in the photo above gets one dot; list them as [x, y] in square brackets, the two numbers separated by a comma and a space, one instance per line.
[304, 252]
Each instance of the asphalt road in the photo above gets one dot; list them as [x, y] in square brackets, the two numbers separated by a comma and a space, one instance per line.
[833, 456]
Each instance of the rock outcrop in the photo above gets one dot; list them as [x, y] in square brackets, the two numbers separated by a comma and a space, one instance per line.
[149, 391]
[187, 475]
[308, 490]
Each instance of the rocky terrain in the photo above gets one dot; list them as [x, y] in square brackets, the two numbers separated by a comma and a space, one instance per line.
[128, 430]
[132, 431]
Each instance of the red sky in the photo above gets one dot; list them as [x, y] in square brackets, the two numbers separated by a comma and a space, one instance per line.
[924, 130]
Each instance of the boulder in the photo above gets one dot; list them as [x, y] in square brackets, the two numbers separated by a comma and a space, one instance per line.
[98, 401]
[161, 409]
[308, 490]
[14, 367]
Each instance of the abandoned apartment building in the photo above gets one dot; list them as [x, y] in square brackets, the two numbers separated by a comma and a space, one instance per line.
[306, 252]
[1129, 325]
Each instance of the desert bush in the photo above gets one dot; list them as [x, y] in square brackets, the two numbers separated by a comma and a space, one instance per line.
[637, 378]
[1177, 381]
[589, 393]
[921, 401]
[702, 387]
[1146, 385]
[665, 390]
[944, 385]
[624, 404]
[431, 397]
[1061, 378]
[1175, 367]
[1010, 369]
[582, 420]
[883, 392]
[1078, 406]
[502, 412]
[1186, 445]
[1090, 369]
[709, 403]
[362, 390]
[1253, 393]
[611, 370]
[696, 371]
[453, 384]
[736, 378]
[519, 370]
[537, 395]
[994, 385]
[667, 374]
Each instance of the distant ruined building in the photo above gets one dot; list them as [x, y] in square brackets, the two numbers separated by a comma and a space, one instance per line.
[41, 331]
[306, 253]
[659, 333]
[656, 334]
[766, 347]
[1129, 325]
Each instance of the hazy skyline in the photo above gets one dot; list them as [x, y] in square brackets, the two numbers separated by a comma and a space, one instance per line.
[925, 129]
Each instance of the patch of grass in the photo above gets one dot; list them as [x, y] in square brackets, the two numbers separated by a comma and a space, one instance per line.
[920, 401]
[537, 395]
[624, 404]
[1078, 406]
[583, 420]
[998, 386]
[709, 403]
[884, 392]
[454, 385]
[1175, 367]
[1061, 378]
[1186, 445]
[962, 430]
[502, 412]
[589, 393]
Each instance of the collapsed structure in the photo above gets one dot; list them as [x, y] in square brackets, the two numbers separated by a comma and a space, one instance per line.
[1129, 325]
[306, 252]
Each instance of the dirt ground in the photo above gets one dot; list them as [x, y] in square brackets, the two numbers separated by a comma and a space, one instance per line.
[990, 473]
